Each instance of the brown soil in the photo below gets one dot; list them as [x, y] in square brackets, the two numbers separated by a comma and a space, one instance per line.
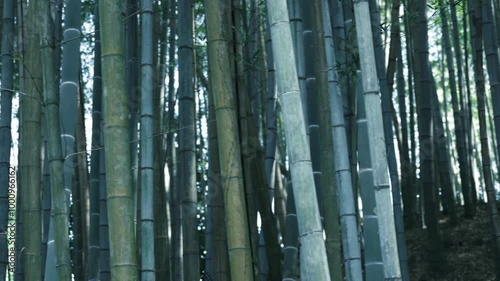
[468, 247]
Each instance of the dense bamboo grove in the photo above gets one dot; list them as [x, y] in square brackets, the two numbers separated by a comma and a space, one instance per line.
[245, 140]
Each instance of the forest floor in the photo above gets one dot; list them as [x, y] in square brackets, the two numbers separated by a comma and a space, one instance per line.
[468, 247]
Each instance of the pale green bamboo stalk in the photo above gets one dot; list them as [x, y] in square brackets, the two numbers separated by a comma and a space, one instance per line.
[374, 269]
[314, 265]
[346, 198]
[382, 184]
[388, 115]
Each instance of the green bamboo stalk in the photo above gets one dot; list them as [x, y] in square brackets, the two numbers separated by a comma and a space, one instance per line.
[120, 205]
[423, 74]
[458, 120]
[291, 239]
[146, 154]
[187, 157]
[480, 89]
[220, 264]
[230, 160]
[69, 87]
[161, 206]
[374, 269]
[30, 163]
[5, 126]
[59, 205]
[94, 233]
[492, 64]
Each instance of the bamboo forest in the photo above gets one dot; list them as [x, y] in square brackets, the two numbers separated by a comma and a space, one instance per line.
[249, 140]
